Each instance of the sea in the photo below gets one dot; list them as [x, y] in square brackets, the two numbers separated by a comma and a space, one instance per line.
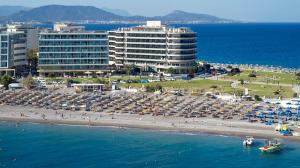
[272, 44]
[29, 145]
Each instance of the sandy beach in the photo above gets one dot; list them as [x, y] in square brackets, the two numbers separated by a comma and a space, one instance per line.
[204, 125]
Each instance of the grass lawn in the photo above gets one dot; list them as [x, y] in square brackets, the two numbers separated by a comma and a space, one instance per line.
[204, 85]
[268, 91]
[207, 85]
[267, 77]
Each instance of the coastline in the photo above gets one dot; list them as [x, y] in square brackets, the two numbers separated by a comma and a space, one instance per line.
[203, 125]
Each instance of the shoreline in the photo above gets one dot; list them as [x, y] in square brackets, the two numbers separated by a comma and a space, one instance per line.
[237, 132]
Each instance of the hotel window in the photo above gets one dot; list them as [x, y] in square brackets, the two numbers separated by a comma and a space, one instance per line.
[3, 38]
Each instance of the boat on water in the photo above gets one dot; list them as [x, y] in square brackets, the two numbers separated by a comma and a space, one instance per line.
[271, 146]
[248, 141]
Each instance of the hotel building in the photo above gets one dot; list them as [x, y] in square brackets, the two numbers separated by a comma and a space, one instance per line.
[71, 50]
[153, 46]
[13, 51]
[15, 41]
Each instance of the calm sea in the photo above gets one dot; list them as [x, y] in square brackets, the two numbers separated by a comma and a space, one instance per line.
[37, 145]
[263, 44]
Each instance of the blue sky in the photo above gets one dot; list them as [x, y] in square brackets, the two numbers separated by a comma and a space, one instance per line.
[245, 10]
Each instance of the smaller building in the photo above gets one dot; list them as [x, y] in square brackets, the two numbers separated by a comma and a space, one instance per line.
[32, 34]
[15, 86]
[15, 41]
[58, 27]
[79, 88]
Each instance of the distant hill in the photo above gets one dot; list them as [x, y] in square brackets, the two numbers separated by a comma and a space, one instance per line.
[54, 13]
[63, 13]
[9, 10]
[120, 12]
[181, 16]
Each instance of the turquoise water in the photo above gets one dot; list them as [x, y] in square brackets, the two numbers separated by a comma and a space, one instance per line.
[37, 145]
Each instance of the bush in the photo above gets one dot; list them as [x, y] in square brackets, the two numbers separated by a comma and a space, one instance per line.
[214, 87]
[150, 88]
[295, 95]
[28, 82]
[252, 75]
[101, 81]
[277, 92]
[242, 81]
[257, 98]
[6, 80]
[235, 71]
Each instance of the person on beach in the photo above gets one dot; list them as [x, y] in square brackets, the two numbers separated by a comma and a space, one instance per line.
[44, 116]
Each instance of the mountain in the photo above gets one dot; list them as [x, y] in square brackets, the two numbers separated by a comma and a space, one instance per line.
[120, 12]
[178, 16]
[9, 10]
[54, 13]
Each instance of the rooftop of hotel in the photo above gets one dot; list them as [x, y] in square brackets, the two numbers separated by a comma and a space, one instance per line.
[63, 28]
[48, 31]
[156, 26]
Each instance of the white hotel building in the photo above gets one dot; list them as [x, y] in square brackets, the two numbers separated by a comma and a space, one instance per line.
[154, 46]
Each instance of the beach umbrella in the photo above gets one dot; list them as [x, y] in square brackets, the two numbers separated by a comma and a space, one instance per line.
[271, 113]
[288, 113]
[298, 114]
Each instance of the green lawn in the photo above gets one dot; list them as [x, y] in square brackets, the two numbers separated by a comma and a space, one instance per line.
[268, 91]
[267, 77]
[207, 85]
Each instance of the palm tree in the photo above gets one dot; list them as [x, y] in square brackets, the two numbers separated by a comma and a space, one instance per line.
[32, 58]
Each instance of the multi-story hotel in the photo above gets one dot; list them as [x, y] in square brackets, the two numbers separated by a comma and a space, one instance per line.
[154, 46]
[13, 51]
[15, 41]
[72, 50]
[32, 34]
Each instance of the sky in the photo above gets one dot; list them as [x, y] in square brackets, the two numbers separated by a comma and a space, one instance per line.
[242, 10]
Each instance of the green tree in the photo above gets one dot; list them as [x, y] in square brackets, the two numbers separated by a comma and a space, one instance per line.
[191, 72]
[235, 71]
[171, 70]
[28, 82]
[6, 80]
[128, 69]
[252, 74]
[32, 58]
